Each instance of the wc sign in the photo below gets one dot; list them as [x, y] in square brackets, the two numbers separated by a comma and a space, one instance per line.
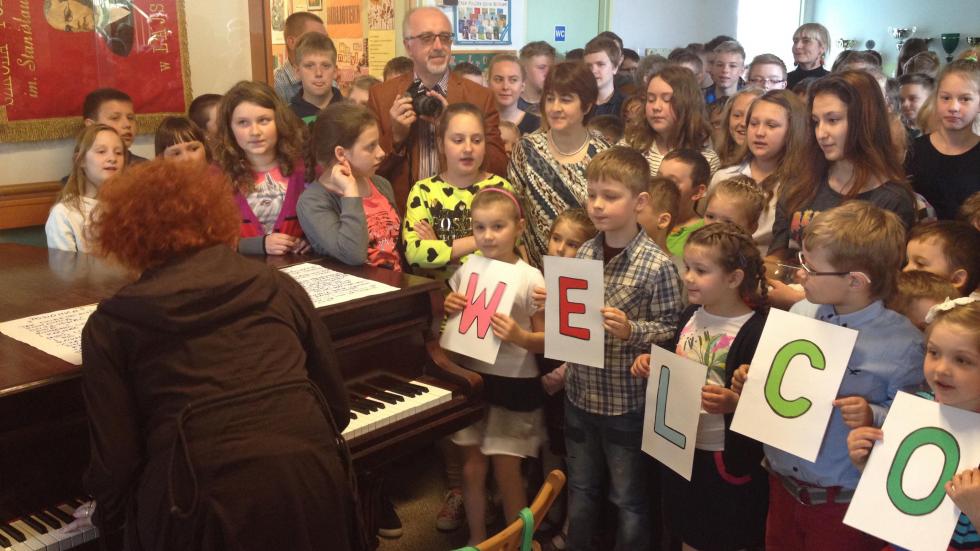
[559, 33]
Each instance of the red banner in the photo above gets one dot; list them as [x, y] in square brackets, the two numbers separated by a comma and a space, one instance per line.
[54, 52]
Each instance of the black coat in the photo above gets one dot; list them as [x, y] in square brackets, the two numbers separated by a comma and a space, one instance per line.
[212, 388]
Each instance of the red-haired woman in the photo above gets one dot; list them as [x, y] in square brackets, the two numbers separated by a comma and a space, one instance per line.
[848, 155]
[214, 398]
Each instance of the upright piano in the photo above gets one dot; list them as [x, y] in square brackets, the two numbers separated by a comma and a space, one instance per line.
[388, 350]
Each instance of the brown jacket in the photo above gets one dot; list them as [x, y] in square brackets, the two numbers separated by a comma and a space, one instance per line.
[395, 166]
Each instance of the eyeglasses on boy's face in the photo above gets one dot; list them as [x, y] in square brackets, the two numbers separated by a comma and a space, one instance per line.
[759, 81]
[810, 272]
[429, 38]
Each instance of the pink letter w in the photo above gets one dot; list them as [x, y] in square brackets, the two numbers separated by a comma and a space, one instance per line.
[477, 310]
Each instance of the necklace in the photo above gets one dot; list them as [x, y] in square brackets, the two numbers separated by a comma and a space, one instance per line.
[551, 138]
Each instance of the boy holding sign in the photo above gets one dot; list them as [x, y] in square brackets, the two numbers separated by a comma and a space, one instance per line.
[513, 426]
[952, 370]
[850, 261]
[604, 410]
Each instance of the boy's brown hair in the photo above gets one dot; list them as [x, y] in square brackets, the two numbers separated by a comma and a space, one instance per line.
[295, 22]
[621, 164]
[608, 45]
[664, 197]
[860, 237]
[920, 284]
[744, 189]
[536, 48]
[970, 210]
[398, 66]
[700, 169]
[960, 244]
[315, 43]
[610, 126]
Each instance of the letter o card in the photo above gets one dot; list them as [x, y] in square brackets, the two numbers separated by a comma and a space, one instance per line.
[793, 381]
[573, 329]
[901, 497]
[489, 287]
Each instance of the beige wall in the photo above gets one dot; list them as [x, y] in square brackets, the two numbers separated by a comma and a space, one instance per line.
[218, 41]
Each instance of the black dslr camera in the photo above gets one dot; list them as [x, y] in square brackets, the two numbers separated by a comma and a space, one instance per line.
[422, 103]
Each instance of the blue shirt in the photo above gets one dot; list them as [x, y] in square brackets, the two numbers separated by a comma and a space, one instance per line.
[887, 357]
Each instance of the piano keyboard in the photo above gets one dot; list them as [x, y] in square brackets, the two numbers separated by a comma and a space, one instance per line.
[381, 400]
[45, 530]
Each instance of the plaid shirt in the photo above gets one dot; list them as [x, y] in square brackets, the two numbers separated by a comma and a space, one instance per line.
[642, 282]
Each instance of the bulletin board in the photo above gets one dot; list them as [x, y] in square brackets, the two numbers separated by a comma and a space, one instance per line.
[483, 23]
[480, 58]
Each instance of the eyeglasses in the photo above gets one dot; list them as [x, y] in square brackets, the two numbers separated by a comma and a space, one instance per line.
[429, 38]
[810, 272]
[766, 81]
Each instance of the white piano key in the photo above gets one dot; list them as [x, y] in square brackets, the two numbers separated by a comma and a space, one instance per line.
[34, 543]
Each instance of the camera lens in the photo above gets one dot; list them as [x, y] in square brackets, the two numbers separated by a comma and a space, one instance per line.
[427, 106]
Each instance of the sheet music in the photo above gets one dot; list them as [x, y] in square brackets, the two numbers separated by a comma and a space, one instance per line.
[327, 287]
[57, 333]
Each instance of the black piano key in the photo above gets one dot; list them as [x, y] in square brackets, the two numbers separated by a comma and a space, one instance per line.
[48, 520]
[363, 403]
[368, 402]
[353, 416]
[14, 533]
[64, 517]
[75, 503]
[4, 542]
[400, 396]
[37, 525]
[373, 393]
[417, 387]
[393, 385]
[359, 408]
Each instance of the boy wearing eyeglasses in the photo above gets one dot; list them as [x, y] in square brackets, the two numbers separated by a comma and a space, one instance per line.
[767, 72]
[850, 262]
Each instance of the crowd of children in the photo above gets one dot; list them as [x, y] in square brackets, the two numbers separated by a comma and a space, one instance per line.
[815, 193]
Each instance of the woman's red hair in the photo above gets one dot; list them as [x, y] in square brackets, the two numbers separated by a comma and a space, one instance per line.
[159, 210]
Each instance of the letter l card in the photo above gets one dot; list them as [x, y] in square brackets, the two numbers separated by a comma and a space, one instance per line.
[673, 410]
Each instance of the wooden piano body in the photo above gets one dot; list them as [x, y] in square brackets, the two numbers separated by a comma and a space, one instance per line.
[43, 433]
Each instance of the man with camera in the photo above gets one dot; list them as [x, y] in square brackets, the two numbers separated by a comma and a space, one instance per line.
[408, 106]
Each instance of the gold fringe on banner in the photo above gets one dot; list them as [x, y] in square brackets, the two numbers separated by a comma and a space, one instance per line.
[56, 128]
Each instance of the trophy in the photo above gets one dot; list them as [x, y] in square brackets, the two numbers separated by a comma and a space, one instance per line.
[846, 43]
[901, 33]
[950, 41]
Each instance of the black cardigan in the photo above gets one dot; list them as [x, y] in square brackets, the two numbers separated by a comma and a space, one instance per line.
[742, 454]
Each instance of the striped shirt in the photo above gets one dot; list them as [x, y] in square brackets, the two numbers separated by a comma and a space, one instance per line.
[287, 82]
[642, 282]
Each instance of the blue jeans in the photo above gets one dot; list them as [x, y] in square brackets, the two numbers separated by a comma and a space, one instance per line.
[596, 444]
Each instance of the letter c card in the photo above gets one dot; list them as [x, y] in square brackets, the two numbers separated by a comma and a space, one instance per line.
[793, 380]
[573, 329]
[901, 497]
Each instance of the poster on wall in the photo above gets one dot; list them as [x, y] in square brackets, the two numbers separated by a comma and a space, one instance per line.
[54, 52]
[381, 15]
[279, 10]
[344, 25]
[483, 22]
[381, 35]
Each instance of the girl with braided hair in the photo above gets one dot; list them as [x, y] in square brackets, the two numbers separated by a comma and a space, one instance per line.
[724, 505]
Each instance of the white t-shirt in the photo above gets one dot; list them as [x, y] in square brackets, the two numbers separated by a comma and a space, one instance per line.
[762, 235]
[65, 228]
[706, 339]
[512, 360]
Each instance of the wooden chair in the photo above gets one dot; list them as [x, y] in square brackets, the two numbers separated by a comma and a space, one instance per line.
[509, 539]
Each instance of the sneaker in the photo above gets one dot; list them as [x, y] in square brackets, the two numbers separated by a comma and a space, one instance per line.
[389, 525]
[452, 513]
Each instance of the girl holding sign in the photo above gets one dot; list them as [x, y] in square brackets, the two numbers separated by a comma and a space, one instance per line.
[513, 426]
[724, 505]
[952, 369]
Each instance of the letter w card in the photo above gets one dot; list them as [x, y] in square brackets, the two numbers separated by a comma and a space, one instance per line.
[901, 497]
[793, 381]
[673, 410]
[489, 287]
[573, 329]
